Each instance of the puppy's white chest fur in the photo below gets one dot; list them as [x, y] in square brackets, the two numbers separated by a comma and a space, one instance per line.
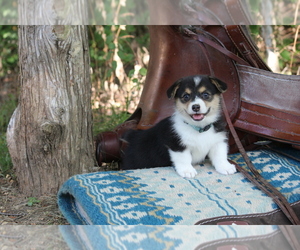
[197, 143]
[197, 146]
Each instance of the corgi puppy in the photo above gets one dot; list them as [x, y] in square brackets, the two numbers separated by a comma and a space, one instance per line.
[195, 130]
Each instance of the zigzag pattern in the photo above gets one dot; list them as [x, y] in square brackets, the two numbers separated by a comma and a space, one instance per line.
[119, 198]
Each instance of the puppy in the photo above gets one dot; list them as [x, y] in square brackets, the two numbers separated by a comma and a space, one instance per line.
[183, 140]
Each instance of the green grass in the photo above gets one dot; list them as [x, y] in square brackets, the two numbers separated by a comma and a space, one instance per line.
[5, 160]
[103, 123]
[7, 107]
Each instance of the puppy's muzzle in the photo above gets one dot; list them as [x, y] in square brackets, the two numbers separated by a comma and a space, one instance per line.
[198, 116]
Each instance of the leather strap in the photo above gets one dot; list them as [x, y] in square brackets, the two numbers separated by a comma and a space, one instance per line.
[238, 12]
[257, 179]
[242, 42]
[246, 47]
[290, 236]
[203, 39]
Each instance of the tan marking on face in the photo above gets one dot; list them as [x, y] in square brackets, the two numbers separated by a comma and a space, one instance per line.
[214, 103]
[202, 89]
[181, 106]
[188, 90]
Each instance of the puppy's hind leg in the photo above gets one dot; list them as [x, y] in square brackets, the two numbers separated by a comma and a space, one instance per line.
[183, 163]
[218, 157]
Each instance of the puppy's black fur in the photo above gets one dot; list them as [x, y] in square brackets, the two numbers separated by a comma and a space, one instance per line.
[149, 148]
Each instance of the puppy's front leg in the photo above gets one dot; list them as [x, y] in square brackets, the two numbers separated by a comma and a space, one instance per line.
[218, 157]
[183, 163]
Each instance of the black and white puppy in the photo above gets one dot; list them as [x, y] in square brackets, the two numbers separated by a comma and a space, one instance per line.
[183, 140]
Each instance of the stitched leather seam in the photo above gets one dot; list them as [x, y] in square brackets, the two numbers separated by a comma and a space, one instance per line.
[239, 217]
[228, 33]
[277, 77]
[245, 39]
[262, 126]
[243, 239]
[266, 115]
[244, 216]
[229, 12]
[241, 11]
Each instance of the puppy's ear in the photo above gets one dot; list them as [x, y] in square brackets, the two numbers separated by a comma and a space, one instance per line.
[171, 92]
[221, 86]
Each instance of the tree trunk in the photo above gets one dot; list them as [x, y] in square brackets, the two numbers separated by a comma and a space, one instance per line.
[267, 34]
[50, 133]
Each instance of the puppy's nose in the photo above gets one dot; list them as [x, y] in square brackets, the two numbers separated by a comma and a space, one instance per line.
[196, 107]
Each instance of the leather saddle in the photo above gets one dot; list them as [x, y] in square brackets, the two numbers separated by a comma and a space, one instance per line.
[261, 104]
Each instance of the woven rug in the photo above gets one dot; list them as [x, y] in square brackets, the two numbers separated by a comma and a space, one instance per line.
[159, 196]
[162, 237]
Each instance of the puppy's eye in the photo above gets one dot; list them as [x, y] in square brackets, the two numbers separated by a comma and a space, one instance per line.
[205, 96]
[186, 97]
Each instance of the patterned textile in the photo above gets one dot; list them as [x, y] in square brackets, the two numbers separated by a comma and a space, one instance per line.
[158, 237]
[159, 196]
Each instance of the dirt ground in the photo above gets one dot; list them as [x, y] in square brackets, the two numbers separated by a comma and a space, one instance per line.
[15, 210]
[32, 237]
[26, 226]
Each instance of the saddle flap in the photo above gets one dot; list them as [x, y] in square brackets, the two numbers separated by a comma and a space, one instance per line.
[270, 104]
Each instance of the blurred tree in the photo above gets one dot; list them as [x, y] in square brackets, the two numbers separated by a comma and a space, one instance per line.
[50, 133]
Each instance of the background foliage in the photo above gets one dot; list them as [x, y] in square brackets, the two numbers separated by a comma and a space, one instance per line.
[119, 59]
[278, 12]
[9, 50]
[284, 43]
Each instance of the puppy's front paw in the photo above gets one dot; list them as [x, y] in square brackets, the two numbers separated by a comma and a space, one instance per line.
[226, 168]
[186, 172]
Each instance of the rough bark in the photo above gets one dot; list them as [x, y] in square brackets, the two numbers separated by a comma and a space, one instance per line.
[53, 12]
[50, 133]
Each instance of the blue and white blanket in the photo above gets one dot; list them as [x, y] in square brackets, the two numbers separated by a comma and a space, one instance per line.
[159, 196]
[165, 237]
